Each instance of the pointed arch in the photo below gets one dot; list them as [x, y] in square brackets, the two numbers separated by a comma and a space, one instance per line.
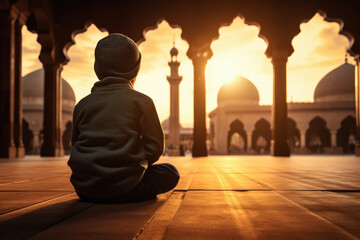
[27, 136]
[293, 134]
[317, 135]
[236, 134]
[261, 136]
[345, 136]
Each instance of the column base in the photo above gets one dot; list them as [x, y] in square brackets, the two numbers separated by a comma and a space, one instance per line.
[173, 152]
[51, 152]
[199, 151]
[7, 152]
[20, 152]
[279, 150]
[357, 150]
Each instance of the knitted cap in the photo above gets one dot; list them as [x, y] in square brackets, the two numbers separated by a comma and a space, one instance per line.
[116, 55]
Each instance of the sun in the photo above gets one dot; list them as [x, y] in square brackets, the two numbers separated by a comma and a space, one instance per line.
[223, 71]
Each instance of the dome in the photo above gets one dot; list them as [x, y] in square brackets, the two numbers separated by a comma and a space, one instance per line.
[337, 85]
[33, 86]
[174, 51]
[166, 124]
[241, 90]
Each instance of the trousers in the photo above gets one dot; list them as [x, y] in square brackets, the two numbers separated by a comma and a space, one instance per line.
[158, 178]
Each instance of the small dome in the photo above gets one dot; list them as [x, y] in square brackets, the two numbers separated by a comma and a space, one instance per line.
[166, 124]
[337, 85]
[33, 86]
[174, 51]
[241, 90]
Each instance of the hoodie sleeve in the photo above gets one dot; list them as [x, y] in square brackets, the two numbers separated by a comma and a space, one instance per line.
[152, 133]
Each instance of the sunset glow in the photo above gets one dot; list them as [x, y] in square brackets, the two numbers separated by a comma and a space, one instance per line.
[238, 51]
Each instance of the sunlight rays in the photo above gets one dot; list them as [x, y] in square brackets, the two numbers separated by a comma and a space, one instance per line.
[79, 72]
[238, 51]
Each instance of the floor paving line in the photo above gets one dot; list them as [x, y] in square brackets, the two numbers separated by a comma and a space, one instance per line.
[277, 191]
[325, 174]
[28, 180]
[238, 219]
[303, 190]
[306, 180]
[187, 182]
[29, 205]
[157, 226]
[34, 205]
[266, 190]
[268, 186]
[19, 181]
[224, 190]
[151, 218]
[189, 178]
[348, 234]
[38, 190]
[165, 219]
[62, 220]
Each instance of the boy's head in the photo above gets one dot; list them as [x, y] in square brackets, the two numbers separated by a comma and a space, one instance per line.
[116, 55]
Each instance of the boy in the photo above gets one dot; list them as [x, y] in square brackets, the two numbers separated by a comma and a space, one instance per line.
[117, 135]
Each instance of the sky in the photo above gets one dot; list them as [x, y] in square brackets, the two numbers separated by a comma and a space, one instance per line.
[238, 51]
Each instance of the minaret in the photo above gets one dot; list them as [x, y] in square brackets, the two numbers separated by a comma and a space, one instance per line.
[346, 57]
[174, 126]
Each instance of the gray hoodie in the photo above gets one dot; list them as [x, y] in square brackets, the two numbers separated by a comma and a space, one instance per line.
[116, 134]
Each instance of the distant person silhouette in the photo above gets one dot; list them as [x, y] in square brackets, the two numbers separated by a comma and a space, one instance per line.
[181, 150]
[117, 136]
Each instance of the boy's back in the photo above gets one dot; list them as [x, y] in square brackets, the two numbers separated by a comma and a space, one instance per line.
[117, 135]
[111, 140]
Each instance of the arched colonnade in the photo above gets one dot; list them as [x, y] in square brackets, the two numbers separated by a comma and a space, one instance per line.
[57, 22]
[319, 136]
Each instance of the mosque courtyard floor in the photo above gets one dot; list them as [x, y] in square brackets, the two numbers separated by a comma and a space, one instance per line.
[218, 197]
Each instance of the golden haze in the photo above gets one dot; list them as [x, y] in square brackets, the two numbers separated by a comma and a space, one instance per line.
[238, 51]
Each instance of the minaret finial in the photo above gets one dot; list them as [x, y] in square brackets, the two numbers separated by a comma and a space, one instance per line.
[346, 58]
[174, 52]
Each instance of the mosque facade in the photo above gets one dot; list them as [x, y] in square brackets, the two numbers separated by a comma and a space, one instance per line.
[33, 105]
[239, 125]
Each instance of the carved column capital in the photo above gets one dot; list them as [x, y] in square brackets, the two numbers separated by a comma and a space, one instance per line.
[200, 53]
[279, 56]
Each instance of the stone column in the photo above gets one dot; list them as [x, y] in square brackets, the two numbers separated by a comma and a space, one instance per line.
[199, 57]
[7, 66]
[249, 142]
[357, 104]
[221, 132]
[18, 117]
[303, 139]
[52, 145]
[36, 143]
[212, 136]
[279, 143]
[333, 138]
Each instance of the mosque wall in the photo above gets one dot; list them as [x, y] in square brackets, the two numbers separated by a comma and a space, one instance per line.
[324, 126]
[333, 119]
[33, 104]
